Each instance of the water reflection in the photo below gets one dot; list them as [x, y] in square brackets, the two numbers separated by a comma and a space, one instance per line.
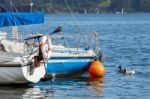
[12, 91]
[98, 84]
[20, 91]
[37, 93]
[33, 93]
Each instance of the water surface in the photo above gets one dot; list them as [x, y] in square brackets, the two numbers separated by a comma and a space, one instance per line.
[124, 40]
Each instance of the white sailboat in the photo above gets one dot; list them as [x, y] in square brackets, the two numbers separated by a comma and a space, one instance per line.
[15, 65]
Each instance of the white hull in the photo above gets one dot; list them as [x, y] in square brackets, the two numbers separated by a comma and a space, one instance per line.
[14, 71]
[9, 75]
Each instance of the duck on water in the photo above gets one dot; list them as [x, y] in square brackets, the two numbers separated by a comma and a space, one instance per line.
[126, 71]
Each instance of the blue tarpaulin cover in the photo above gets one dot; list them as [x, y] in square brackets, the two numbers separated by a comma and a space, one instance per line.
[20, 18]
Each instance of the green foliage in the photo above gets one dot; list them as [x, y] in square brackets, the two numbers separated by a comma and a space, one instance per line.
[99, 5]
[145, 5]
[130, 5]
[105, 3]
[90, 5]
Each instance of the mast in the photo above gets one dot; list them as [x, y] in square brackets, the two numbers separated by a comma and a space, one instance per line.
[122, 11]
[15, 33]
[85, 11]
[31, 5]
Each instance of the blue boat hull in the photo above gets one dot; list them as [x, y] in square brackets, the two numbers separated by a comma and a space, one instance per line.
[68, 65]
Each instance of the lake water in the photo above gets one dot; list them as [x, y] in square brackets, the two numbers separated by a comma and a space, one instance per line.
[124, 40]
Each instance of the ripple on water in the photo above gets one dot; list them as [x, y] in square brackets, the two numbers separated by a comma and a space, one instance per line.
[124, 40]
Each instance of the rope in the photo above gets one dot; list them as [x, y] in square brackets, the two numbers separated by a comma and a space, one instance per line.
[78, 27]
[12, 5]
[75, 22]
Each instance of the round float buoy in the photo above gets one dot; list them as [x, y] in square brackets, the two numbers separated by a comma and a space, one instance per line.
[46, 39]
[43, 53]
[96, 69]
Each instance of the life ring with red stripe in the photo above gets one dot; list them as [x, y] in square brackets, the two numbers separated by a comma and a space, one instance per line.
[46, 41]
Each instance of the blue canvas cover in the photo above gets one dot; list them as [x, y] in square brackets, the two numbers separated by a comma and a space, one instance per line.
[20, 18]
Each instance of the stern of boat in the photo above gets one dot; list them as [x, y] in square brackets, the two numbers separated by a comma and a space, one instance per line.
[33, 73]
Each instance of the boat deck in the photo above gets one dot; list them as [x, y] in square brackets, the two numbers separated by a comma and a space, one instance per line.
[9, 54]
[9, 59]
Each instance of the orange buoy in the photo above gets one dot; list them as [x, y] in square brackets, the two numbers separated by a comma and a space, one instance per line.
[96, 69]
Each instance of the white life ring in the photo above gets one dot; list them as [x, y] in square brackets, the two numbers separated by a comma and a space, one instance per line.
[46, 39]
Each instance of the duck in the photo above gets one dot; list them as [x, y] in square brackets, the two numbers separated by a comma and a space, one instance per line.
[129, 72]
[120, 69]
[126, 71]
